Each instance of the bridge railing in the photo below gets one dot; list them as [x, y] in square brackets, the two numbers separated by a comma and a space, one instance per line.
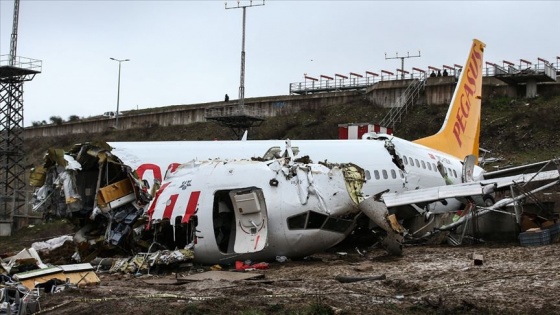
[348, 83]
[356, 82]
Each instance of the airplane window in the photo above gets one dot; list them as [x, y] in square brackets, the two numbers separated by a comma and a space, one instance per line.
[393, 174]
[376, 173]
[385, 175]
[417, 163]
[405, 160]
[434, 166]
[423, 165]
[315, 220]
[454, 173]
[297, 222]
[368, 176]
[450, 172]
[274, 152]
[337, 225]
[411, 161]
[429, 166]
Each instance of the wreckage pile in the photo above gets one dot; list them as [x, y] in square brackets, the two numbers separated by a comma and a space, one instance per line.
[95, 191]
[24, 277]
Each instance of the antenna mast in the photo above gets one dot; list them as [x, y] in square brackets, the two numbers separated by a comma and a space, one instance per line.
[242, 76]
[402, 60]
[239, 119]
[13, 42]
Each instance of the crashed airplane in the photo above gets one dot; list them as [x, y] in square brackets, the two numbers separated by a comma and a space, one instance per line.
[411, 180]
[283, 204]
[257, 210]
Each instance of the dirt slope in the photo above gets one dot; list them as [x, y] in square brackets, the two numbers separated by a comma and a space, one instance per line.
[519, 130]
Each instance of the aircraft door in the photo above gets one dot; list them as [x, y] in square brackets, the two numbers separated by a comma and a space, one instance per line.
[468, 168]
[251, 220]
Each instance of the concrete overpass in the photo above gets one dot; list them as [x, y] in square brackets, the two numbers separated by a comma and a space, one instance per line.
[437, 91]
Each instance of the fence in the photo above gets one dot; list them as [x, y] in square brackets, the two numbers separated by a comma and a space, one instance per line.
[355, 81]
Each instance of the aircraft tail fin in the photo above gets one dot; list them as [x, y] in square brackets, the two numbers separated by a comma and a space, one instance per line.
[459, 135]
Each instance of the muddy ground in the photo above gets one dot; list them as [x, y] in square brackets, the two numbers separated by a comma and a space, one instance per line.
[426, 280]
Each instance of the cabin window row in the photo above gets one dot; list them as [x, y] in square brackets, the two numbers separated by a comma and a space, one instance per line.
[385, 174]
[427, 165]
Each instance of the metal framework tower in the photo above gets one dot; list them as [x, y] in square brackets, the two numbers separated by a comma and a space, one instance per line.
[13, 72]
[12, 170]
[240, 118]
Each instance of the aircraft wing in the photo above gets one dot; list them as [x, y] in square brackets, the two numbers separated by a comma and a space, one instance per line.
[476, 188]
[516, 170]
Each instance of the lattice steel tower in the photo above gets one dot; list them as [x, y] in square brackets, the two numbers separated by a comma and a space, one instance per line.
[13, 72]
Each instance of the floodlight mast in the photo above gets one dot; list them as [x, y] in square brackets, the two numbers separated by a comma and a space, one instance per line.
[242, 75]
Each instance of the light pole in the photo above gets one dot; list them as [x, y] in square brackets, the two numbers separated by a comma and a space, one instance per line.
[118, 89]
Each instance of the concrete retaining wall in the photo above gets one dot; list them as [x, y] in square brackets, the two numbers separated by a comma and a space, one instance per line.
[438, 91]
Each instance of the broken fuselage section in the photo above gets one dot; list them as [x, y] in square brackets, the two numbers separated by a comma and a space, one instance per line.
[94, 190]
[257, 210]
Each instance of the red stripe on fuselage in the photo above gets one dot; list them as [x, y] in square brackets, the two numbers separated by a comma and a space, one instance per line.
[191, 206]
[169, 206]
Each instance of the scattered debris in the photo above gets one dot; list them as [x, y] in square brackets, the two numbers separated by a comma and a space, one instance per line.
[96, 192]
[27, 259]
[535, 237]
[348, 279]
[478, 259]
[51, 244]
[222, 276]
[144, 262]
[248, 265]
[75, 274]
[16, 299]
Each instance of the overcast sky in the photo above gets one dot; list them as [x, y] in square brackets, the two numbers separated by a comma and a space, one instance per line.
[188, 52]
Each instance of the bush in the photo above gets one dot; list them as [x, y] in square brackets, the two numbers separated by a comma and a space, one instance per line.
[56, 120]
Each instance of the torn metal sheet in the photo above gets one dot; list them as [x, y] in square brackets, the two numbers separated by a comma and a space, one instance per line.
[76, 274]
[27, 258]
[142, 262]
[96, 191]
[215, 275]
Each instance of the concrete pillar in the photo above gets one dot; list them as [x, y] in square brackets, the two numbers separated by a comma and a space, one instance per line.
[531, 89]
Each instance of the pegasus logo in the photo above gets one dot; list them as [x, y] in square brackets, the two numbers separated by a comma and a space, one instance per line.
[473, 72]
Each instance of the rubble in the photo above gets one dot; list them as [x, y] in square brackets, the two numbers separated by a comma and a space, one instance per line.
[143, 262]
[97, 192]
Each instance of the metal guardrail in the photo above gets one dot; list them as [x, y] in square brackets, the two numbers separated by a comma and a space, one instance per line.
[328, 84]
[547, 69]
[21, 62]
[352, 83]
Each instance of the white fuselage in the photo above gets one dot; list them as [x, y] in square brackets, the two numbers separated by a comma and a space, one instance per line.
[257, 210]
[382, 173]
[371, 155]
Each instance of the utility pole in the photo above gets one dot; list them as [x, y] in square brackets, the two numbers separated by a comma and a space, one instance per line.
[118, 90]
[242, 76]
[402, 60]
